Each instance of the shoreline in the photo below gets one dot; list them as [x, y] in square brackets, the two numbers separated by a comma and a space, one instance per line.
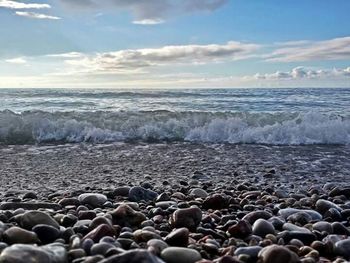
[178, 202]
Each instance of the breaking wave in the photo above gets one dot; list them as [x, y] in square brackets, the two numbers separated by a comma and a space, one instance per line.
[32, 127]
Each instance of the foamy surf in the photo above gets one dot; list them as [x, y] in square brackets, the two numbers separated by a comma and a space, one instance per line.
[280, 128]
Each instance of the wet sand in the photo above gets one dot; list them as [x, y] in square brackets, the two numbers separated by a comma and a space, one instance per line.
[81, 166]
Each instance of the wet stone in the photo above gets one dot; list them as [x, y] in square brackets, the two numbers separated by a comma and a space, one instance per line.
[137, 194]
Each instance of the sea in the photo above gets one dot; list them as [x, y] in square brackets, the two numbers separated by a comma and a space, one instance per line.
[268, 116]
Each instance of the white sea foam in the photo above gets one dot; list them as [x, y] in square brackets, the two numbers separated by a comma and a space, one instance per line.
[105, 127]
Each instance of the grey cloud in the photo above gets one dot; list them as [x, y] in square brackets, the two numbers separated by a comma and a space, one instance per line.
[168, 55]
[333, 49]
[150, 10]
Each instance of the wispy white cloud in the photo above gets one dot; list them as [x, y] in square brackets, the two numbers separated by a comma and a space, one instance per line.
[36, 15]
[149, 21]
[167, 55]
[149, 10]
[20, 5]
[19, 60]
[66, 55]
[333, 49]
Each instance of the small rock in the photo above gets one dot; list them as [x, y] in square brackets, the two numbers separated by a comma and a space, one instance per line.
[124, 215]
[186, 217]
[33, 218]
[137, 194]
[17, 235]
[180, 255]
[252, 251]
[199, 192]
[240, 230]
[342, 248]
[262, 227]
[134, 256]
[92, 199]
[46, 233]
[216, 201]
[178, 237]
[277, 254]
[100, 232]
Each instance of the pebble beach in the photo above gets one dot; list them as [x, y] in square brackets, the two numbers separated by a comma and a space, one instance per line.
[176, 202]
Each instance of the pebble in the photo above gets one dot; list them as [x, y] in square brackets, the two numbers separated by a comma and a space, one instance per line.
[262, 227]
[277, 254]
[18, 253]
[342, 248]
[178, 237]
[199, 192]
[186, 217]
[92, 199]
[134, 256]
[124, 215]
[32, 218]
[138, 193]
[17, 235]
[180, 255]
[251, 251]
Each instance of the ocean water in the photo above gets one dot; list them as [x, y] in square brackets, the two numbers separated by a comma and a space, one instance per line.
[253, 116]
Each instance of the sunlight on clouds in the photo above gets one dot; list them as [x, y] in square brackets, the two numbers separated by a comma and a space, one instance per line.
[37, 15]
[19, 5]
[16, 61]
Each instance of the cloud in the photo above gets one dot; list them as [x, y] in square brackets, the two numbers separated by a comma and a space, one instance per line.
[150, 10]
[19, 5]
[149, 22]
[133, 59]
[36, 15]
[333, 49]
[16, 61]
[301, 73]
[67, 55]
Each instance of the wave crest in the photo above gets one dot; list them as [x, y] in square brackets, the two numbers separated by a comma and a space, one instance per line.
[105, 127]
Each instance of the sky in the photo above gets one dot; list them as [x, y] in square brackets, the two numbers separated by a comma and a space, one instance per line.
[174, 43]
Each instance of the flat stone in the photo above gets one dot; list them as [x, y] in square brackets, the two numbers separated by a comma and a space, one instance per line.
[92, 199]
[199, 192]
[134, 256]
[323, 226]
[342, 248]
[180, 255]
[285, 213]
[54, 253]
[142, 235]
[33, 218]
[29, 206]
[252, 251]
[17, 235]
